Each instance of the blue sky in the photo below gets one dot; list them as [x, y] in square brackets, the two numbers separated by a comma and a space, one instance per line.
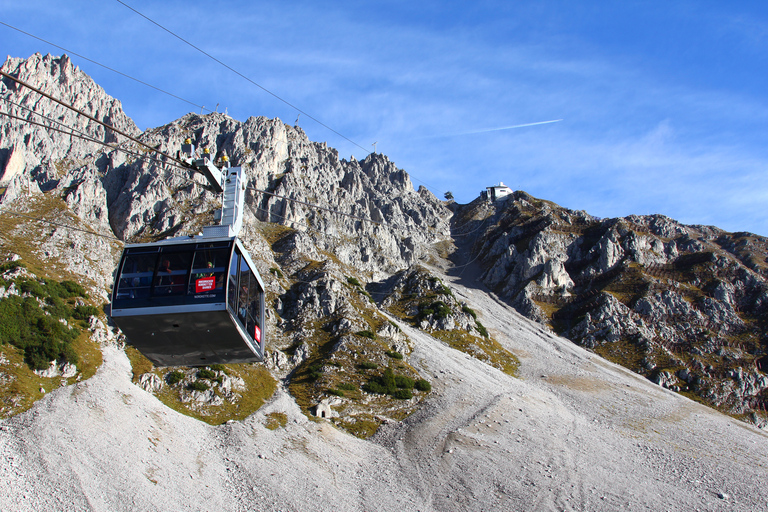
[664, 105]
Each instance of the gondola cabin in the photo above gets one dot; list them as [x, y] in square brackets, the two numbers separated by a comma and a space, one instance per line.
[190, 302]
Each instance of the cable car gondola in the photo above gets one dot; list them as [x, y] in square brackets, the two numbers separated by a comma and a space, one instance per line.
[196, 300]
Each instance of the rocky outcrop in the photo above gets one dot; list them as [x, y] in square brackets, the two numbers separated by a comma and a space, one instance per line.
[651, 293]
[342, 244]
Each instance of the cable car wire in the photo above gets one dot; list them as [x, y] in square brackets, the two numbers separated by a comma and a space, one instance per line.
[88, 116]
[58, 224]
[243, 76]
[70, 52]
[201, 107]
[181, 164]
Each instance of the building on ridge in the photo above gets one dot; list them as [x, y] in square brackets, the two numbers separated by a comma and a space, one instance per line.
[496, 192]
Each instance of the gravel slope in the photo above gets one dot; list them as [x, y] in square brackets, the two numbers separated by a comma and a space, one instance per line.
[573, 433]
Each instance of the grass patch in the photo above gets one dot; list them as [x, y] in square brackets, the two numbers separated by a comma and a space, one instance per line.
[139, 363]
[487, 350]
[274, 232]
[362, 427]
[20, 386]
[276, 420]
[259, 386]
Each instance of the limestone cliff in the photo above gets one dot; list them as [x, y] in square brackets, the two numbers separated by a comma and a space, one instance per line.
[685, 306]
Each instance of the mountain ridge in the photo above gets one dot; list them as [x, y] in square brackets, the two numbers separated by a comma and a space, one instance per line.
[516, 416]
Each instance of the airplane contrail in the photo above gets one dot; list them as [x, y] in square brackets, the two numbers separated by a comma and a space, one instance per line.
[508, 127]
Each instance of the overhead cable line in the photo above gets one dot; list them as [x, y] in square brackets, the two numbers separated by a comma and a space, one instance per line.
[88, 116]
[180, 163]
[202, 107]
[95, 141]
[243, 76]
[46, 221]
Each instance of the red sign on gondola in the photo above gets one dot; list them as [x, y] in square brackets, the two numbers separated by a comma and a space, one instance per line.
[205, 284]
[257, 333]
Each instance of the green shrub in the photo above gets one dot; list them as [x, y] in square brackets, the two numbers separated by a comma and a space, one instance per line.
[85, 312]
[31, 286]
[219, 368]
[394, 354]
[205, 373]
[403, 382]
[374, 386]
[199, 385]
[468, 310]
[367, 365]
[315, 371]
[347, 386]
[367, 334]
[174, 377]
[422, 385]
[436, 310]
[276, 272]
[336, 392]
[388, 379]
[9, 265]
[481, 329]
[353, 281]
[57, 307]
[72, 289]
[402, 394]
[40, 336]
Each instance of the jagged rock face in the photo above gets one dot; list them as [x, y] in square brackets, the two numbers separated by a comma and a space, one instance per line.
[689, 302]
[640, 288]
[44, 154]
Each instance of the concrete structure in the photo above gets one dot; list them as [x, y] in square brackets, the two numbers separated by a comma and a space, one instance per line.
[496, 192]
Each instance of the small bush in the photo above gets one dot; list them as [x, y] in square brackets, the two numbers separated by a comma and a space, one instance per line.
[367, 365]
[402, 394]
[353, 281]
[367, 334]
[276, 271]
[219, 368]
[315, 371]
[85, 312]
[436, 310]
[9, 265]
[468, 310]
[73, 289]
[336, 392]
[404, 382]
[481, 329]
[374, 386]
[199, 385]
[422, 385]
[174, 377]
[388, 379]
[347, 386]
[31, 286]
[205, 373]
[394, 354]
